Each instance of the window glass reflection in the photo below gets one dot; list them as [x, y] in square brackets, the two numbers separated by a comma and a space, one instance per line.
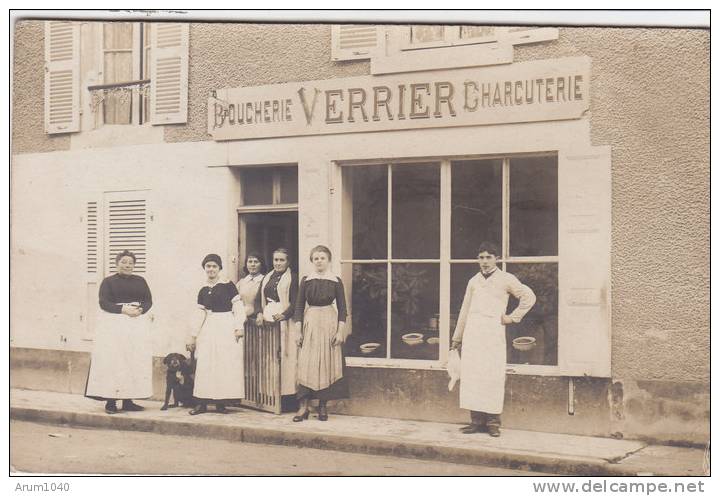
[533, 206]
[415, 309]
[541, 322]
[416, 211]
[368, 307]
[476, 214]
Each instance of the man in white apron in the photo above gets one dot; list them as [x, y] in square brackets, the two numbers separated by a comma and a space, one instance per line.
[480, 337]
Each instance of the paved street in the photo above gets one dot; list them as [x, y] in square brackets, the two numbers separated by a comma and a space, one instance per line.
[53, 449]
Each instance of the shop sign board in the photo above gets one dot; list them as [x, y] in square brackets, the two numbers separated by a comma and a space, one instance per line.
[541, 90]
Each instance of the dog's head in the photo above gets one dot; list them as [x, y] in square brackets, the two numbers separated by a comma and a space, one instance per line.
[174, 361]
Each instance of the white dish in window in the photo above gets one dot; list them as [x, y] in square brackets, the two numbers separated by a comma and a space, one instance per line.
[368, 348]
[433, 340]
[413, 338]
[524, 343]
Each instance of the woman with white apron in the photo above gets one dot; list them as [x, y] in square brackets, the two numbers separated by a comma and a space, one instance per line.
[276, 298]
[220, 373]
[121, 362]
[480, 336]
[320, 314]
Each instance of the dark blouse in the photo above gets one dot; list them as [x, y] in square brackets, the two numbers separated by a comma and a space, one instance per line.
[118, 289]
[320, 293]
[219, 297]
[271, 292]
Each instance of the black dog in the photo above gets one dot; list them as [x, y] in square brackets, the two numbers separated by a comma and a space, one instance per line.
[180, 379]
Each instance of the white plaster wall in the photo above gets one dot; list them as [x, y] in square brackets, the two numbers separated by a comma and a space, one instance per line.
[193, 211]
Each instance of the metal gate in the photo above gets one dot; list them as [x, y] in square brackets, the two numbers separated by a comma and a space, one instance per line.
[262, 367]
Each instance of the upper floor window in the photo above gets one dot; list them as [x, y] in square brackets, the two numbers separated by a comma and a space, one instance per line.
[118, 72]
[126, 49]
[425, 36]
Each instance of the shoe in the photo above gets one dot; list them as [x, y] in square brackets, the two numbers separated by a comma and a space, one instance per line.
[473, 429]
[220, 408]
[300, 418]
[111, 407]
[198, 410]
[493, 430]
[322, 413]
[129, 406]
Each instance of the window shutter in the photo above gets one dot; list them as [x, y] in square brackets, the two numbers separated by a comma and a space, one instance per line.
[584, 192]
[354, 42]
[126, 228]
[62, 77]
[91, 228]
[169, 46]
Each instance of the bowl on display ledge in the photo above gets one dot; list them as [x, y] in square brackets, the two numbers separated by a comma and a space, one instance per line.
[524, 343]
[413, 338]
[368, 348]
[433, 340]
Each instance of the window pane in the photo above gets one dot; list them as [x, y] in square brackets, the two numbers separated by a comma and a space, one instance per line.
[460, 274]
[365, 212]
[117, 104]
[477, 31]
[415, 304]
[476, 206]
[541, 322]
[288, 184]
[117, 35]
[368, 308]
[424, 34]
[416, 211]
[533, 206]
[257, 186]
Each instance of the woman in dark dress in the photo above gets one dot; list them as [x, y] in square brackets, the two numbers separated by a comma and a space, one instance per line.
[219, 375]
[121, 364]
[276, 302]
[320, 330]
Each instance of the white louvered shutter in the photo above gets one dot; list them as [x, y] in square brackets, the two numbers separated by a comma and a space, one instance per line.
[93, 229]
[354, 42]
[126, 228]
[92, 226]
[584, 204]
[62, 77]
[169, 43]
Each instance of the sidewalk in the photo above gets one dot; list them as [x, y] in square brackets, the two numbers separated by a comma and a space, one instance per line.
[525, 450]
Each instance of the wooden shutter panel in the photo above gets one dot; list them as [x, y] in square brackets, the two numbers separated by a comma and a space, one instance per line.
[91, 229]
[62, 77]
[169, 43]
[354, 42]
[584, 204]
[126, 228]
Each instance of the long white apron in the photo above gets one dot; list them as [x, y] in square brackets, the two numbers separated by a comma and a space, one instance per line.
[220, 370]
[484, 355]
[121, 361]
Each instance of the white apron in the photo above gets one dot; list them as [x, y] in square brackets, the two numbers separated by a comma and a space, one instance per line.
[121, 361]
[483, 356]
[220, 372]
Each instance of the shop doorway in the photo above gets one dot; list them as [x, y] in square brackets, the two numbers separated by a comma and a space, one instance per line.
[262, 233]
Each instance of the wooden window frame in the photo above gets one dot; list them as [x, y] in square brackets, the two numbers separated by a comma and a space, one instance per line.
[445, 262]
[139, 52]
[451, 38]
[275, 206]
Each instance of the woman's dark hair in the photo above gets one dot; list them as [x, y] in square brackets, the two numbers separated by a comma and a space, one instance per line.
[124, 253]
[489, 247]
[212, 257]
[248, 257]
[282, 250]
[321, 249]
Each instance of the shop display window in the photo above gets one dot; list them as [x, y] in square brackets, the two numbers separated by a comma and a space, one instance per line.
[410, 237]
